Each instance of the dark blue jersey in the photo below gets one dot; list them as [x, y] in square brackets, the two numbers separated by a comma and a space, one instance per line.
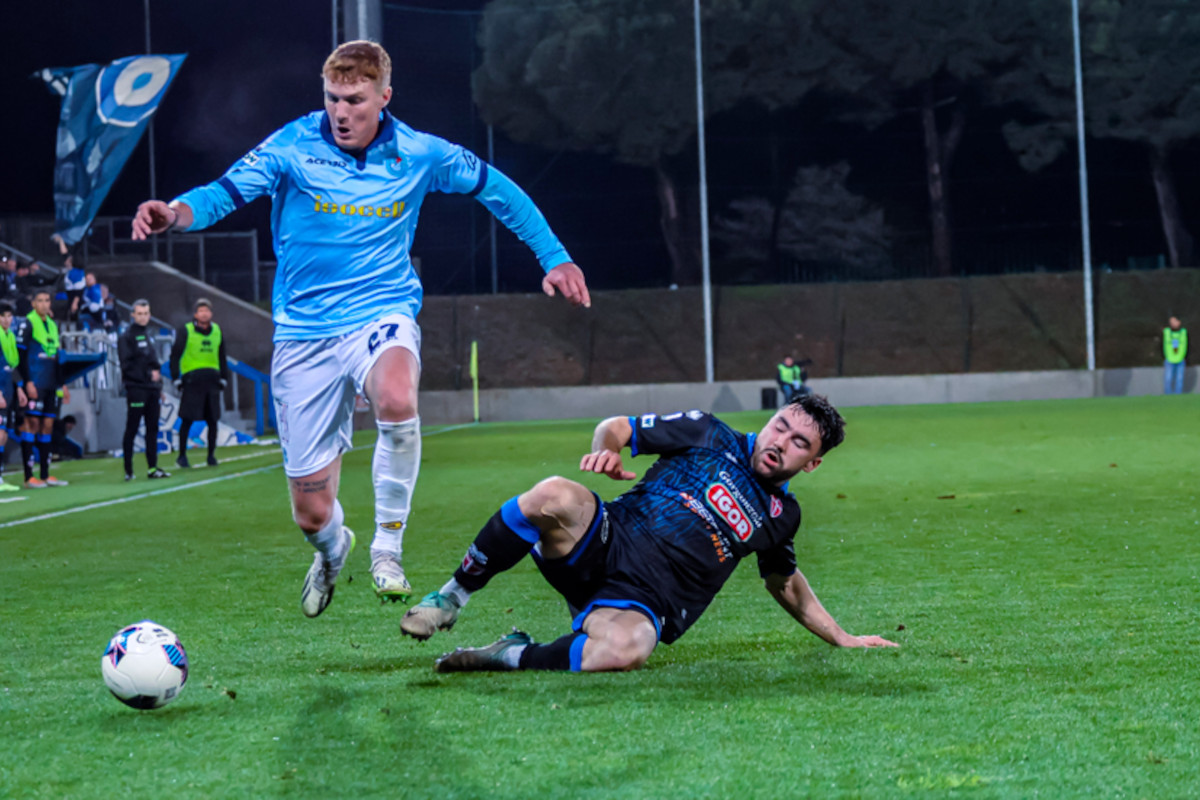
[701, 508]
[36, 365]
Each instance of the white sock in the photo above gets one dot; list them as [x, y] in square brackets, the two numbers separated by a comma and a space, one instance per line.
[329, 540]
[512, 656]
[455, 590]
[394, 471]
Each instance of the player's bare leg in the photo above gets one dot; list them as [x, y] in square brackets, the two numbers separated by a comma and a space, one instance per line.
[391, 386]
[555, 514]
[315, 508]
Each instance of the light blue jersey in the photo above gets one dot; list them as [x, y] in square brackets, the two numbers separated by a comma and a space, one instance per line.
[343, 222]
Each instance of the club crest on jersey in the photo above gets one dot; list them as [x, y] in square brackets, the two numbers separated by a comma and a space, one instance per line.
[776, 507]
[727, 508]
[396, 166]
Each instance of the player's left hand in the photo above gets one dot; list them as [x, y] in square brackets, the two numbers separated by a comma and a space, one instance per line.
[568, 280]
[22, 399]
[606, 462]
[869, 641]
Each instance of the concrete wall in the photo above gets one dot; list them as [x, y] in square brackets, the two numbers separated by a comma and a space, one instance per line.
[246, 328]
[595, 402]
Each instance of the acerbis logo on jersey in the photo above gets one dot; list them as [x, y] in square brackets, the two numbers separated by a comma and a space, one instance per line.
[728, 509]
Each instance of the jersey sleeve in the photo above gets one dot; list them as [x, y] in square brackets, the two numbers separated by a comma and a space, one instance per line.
[779, 560]
[460, 171]
[669, 433]
[255, 175]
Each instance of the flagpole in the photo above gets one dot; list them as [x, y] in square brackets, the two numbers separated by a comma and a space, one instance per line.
[150, 137]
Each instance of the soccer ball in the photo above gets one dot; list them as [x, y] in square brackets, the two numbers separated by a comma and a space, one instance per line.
[144, 665]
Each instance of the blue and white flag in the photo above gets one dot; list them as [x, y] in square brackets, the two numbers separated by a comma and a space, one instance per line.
[105, 109]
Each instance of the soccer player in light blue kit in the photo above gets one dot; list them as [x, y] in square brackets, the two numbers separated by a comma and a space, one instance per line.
[346, 186]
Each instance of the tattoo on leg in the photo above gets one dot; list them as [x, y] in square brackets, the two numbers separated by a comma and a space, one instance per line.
[309, 486]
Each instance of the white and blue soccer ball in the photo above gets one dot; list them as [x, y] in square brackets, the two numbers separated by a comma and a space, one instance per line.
[145, 665]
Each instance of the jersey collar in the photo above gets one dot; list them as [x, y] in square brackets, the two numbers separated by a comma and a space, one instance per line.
[386, 128]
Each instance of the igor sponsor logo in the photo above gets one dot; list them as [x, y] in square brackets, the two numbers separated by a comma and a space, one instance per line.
[729, 510]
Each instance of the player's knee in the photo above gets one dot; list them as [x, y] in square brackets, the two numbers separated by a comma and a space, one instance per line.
[623, 649]
[312, 516]
[550, 498]
[394, 404]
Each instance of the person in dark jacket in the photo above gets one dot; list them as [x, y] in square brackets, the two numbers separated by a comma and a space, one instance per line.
[200, 371]
[142, 376]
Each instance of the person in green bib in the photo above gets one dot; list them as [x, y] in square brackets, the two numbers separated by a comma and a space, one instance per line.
[791, 377]
[37, 349]
[1174, 356]
[12, 395]
[200, 371]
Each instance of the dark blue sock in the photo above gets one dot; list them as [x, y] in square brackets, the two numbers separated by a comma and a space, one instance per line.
[502, 542]
[564, 653]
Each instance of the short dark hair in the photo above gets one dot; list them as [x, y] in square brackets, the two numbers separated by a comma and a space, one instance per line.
[38, 292]
[829, 421]
[7, 308]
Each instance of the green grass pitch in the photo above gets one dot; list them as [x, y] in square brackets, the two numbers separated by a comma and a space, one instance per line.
[1038, 562]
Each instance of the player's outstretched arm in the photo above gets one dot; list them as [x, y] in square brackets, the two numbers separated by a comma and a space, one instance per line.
[611, 436]
[156, 216]
[567, 279]
[797, 598]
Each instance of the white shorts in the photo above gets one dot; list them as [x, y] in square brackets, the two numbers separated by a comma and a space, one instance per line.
[314, 383]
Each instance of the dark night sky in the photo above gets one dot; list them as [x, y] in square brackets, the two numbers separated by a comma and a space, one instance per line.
[252, 67]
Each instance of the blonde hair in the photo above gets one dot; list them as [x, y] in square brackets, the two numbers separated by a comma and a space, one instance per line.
[354, 61]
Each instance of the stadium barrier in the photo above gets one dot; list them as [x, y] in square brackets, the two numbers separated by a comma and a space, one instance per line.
[510, 405]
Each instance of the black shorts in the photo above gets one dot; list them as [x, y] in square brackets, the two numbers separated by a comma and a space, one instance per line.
[200, 402]
[603, 570]
[48, 402]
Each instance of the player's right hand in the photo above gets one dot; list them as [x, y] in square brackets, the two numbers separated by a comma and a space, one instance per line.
[153, 216]
[606, 462]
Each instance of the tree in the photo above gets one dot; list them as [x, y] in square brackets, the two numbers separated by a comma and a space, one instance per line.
[618, 77]
[821, 223]
[1141, 81]
[938, 58]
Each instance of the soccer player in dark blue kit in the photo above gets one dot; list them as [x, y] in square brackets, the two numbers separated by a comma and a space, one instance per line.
[642, 568]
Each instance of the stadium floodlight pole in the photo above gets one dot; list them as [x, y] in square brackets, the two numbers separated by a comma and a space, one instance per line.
[150, 136]
[1089, 317]
[704, 262]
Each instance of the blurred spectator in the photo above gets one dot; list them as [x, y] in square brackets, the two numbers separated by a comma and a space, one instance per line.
[74, 282]
[91, 312]
[111, 319]
[8, 278]
[62, 446]
[200, 371]
[30, 279]
[38, 346]
[12, 396]
[142, 376]
[1174, 356]
[791, 377]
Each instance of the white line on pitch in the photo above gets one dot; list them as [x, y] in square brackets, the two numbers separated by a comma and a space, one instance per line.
[160, 492]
